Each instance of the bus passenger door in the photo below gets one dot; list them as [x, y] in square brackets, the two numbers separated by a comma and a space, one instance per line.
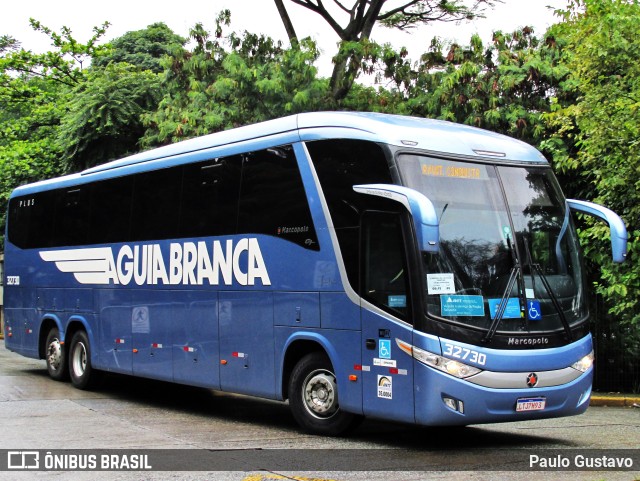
[386, 371]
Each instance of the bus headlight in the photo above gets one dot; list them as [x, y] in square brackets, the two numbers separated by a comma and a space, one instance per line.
[455, 368]
[585, 363]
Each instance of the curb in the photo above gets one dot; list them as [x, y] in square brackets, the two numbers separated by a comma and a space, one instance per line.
[615, 399]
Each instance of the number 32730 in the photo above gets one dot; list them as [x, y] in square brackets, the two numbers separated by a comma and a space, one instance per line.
[464, 354]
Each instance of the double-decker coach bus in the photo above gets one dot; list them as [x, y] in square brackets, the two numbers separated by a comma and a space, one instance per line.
[355, 264]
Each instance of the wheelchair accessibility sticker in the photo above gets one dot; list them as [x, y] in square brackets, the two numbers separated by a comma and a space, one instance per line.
[384, 348]
[534, 312]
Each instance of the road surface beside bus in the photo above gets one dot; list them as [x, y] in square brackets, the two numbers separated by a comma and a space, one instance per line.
[126, 413]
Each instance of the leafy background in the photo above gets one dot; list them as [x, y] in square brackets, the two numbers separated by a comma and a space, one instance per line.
[572, 91]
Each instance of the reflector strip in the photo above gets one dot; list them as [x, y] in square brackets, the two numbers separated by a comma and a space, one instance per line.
[188, 349]
[393, 370]
[357, 367]
[238, 354]
[119, 341]
[404, 346]
[156, 346]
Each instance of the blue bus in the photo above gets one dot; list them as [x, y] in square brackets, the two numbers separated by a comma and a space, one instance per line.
[354, 264]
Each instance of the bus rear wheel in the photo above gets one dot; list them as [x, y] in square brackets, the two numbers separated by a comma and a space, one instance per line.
[55, 356]
[313, 397]
[82, 374]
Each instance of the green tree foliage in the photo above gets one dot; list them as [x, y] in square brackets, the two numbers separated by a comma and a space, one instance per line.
[58, 114]
[503, 87]
[225, 82]
[103, 118]
[142, 48]
[603, 128]
[574, 93]
[34, 89]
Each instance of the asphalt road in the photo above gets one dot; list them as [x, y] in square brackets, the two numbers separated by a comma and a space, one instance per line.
[136, 414]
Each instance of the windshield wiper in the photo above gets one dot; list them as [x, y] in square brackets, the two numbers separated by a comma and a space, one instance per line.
[554, 300]
[502, 306]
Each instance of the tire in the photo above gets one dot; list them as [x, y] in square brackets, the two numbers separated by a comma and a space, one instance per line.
[313, 397]
[83, 376]
[55, 356]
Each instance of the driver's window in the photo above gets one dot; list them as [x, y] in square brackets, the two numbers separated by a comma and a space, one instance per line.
[384, 280]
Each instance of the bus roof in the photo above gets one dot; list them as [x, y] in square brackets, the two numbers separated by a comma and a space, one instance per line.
[436, 136]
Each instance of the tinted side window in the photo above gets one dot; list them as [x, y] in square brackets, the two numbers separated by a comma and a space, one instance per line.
[31, 220]
[272, 198]
[384, 270]
[210, 197]
[194, 200]
[110, 210]
[341, 164]
[156, 204]
[71, 216]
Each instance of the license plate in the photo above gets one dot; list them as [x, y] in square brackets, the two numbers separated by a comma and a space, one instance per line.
[531, 404]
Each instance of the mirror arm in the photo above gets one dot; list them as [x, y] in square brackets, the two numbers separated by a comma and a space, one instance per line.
[616, 225]
[419, 206]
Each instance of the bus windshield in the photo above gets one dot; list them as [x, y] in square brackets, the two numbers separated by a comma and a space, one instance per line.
[508, 249]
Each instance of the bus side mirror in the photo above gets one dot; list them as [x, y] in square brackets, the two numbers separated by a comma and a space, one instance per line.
[419, 206]
[616, 225]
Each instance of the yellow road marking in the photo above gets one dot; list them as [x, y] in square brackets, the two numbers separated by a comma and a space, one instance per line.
[273, 477]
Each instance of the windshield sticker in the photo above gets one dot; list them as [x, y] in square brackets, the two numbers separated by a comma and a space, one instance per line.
[385, 387]
[457, 170]
[534, 312]
[397, 301]
[529, 293]
[440, 283]
[512, 310]
[456, 305]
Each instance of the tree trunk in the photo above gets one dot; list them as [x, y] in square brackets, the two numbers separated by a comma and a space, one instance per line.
[347, 67]
[288, 25]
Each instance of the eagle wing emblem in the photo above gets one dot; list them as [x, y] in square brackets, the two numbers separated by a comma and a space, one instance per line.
[88, 266]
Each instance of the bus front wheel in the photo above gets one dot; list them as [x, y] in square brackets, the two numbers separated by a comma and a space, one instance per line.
[313, 397]
[83, 376]
[55, 356]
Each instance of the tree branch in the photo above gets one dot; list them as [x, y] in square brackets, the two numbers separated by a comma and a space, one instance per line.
[286, 20]
[342, 7]
[400, 9]
[320, 10]
[426, 13]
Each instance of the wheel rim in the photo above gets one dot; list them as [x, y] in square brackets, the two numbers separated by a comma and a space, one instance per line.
[319, 394]
[54, 354]
[79, 359]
